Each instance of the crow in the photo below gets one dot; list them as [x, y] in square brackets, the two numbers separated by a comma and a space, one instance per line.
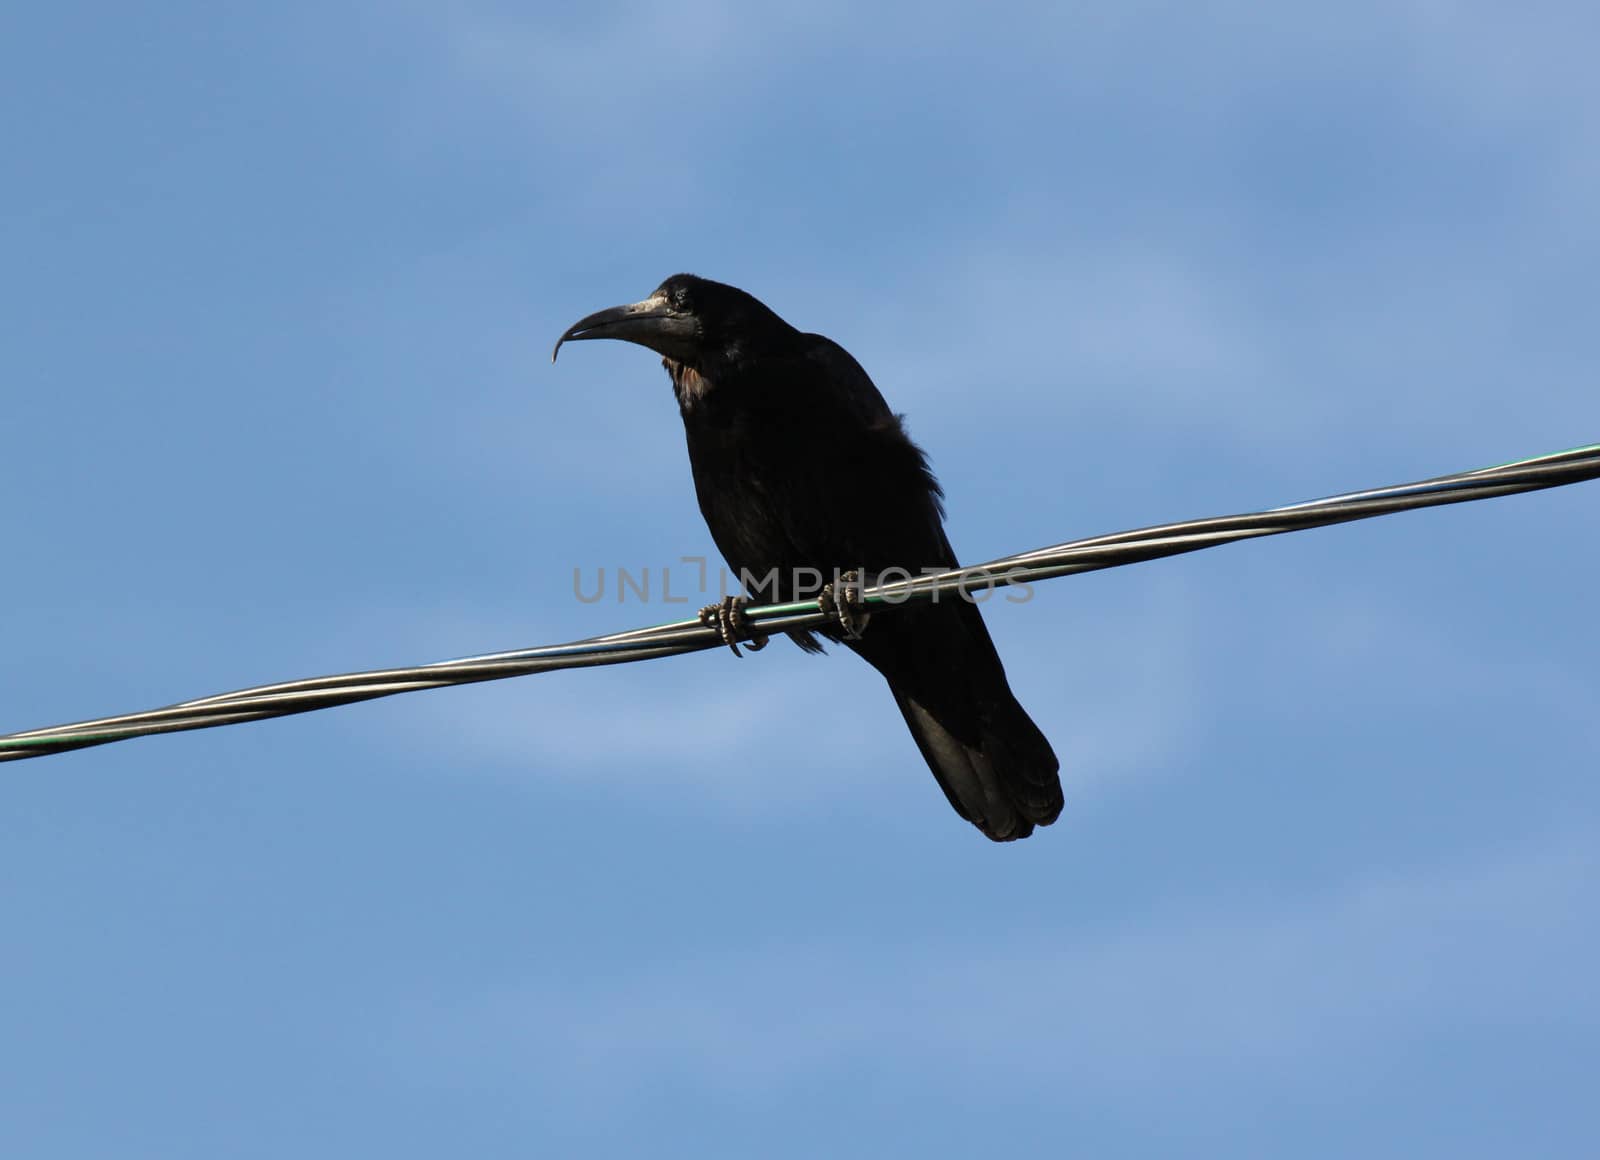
[802, 471]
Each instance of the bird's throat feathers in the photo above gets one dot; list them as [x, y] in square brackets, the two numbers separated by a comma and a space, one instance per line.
[688, 384]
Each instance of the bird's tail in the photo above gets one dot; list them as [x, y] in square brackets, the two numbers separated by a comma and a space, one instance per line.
[990, 759]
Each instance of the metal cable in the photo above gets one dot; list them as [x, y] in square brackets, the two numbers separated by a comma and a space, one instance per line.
[1066, 559]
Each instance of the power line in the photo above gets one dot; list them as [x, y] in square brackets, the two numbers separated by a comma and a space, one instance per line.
[1113, 551]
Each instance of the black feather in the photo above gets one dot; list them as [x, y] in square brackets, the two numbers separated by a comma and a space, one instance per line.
[798, 465]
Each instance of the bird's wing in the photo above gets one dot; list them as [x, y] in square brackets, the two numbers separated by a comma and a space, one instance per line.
[834, 370]
[884, 503]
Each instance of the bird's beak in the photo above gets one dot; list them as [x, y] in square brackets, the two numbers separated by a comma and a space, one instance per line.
[652, 323]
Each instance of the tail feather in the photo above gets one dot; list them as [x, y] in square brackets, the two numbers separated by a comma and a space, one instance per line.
[1001, 775]
[989, 757]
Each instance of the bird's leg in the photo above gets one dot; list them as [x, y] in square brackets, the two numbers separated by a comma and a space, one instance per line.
[728, 618]
[844, 602]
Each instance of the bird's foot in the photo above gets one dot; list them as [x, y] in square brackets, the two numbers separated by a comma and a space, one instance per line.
[728, 618]
[843, 601]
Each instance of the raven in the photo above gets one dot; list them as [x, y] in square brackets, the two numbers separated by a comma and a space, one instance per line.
[801, 469]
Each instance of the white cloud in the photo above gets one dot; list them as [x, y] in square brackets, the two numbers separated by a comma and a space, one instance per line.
[1191, 997]
[713, 724]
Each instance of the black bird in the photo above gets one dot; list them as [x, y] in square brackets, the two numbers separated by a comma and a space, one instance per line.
[799, 465]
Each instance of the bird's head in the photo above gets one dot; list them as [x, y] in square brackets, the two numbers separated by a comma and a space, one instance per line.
[693, 321]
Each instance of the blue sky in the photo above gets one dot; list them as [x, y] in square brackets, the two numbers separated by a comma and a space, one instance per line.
[277, 290]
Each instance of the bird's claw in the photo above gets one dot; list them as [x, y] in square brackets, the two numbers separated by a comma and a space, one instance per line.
[843, 600]
[727, 616]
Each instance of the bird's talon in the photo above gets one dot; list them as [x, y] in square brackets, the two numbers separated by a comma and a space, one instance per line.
[844, 603]
[727, 616]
